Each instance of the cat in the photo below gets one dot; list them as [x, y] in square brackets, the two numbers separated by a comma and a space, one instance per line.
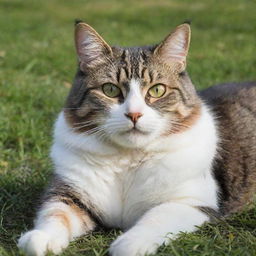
[136, 147]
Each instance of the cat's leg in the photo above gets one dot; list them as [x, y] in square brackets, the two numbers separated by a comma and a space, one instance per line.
[61, 218]
[157, 227]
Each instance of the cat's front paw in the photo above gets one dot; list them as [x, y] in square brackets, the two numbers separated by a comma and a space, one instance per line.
[135, 244]
[37, 243]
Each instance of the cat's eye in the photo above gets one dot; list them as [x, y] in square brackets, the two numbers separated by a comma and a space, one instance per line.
[111, 90]
[157, 91]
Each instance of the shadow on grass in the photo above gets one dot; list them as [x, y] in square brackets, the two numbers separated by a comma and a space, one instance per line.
[18, 202]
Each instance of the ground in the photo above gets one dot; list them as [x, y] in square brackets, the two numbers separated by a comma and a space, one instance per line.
[37, 65]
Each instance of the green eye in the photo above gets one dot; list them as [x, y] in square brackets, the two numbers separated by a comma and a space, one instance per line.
[111, 90]
[157, 91]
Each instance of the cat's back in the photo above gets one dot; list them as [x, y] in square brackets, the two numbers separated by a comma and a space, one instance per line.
[234, 106]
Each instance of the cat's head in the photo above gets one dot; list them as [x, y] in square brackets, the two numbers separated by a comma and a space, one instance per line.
[131, 96]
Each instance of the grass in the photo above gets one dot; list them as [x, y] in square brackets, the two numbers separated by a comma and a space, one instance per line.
[37, 65]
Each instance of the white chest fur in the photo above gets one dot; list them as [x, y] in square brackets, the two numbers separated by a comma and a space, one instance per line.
[123, 184]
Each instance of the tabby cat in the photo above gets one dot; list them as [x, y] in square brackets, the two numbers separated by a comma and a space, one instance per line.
[137, 148]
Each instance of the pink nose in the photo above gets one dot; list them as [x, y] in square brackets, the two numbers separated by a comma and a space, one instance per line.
[133, 116]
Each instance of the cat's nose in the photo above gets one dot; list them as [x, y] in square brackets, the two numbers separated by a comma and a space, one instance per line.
[133, 116]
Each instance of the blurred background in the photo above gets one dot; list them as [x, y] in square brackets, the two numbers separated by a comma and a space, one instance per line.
[37, 66]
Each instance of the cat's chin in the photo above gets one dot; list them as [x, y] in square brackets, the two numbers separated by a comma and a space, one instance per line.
[133, 138]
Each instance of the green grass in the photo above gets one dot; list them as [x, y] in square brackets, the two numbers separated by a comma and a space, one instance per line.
[37, 65]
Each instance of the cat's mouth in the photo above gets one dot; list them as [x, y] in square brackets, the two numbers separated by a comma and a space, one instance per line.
[135, 131]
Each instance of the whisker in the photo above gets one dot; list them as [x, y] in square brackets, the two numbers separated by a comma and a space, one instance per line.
[179, 124]
[81, 126]
[101, 136]
[71, 108]
[92, 122]
[93, 130]
[115, 126]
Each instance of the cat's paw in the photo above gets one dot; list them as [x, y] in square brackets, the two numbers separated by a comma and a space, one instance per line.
[38, 243]
[135, 244]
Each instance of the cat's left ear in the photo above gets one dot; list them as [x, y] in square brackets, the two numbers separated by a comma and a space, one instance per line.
[174, 49]
[91, 48]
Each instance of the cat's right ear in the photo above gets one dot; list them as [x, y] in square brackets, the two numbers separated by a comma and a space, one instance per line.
[91, 48]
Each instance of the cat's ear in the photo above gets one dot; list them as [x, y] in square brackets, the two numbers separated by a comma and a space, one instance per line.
[174, 49]
[90, 46]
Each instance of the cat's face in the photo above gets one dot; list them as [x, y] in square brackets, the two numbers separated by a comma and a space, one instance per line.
[131, 96]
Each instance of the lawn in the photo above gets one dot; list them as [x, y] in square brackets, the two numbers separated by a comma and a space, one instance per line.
[37, 65]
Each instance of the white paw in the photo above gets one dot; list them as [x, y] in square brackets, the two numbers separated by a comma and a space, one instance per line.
[135, 244]
[37, 243]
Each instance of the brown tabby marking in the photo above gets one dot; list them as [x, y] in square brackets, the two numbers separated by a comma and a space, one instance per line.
[59, 191]
[63, 217]
[186, 121]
